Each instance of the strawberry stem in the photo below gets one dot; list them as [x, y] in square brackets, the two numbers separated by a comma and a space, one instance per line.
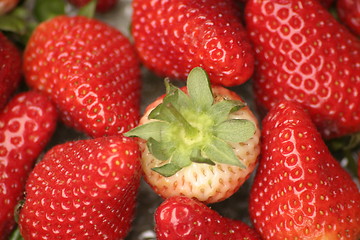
[190, 130]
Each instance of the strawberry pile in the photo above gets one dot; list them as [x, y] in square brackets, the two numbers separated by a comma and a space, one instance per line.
[209, 119]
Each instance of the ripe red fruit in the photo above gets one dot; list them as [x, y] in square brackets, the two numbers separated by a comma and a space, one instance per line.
[305, 55]
[173, 37]
[83, 189]
[180, 218]
[89, 69]
[349, 14]
[300, 191]
[10, 70]
[26, 126]
[102, 6]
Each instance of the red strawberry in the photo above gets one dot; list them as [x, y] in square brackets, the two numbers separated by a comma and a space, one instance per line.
[7, 5]
[180, 218]
[102, 6]
[172, 37]
[26, 126]
[83, 190]
[304, 54]
[10, 69]
[349, 14]
[89, 69]
[300, 191]
[201, 141]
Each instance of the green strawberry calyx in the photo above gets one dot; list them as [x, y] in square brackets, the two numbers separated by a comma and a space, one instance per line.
[192, 128]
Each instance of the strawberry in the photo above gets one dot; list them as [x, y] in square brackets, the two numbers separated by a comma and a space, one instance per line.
[102, 6]
[10, 70]
[172, 37]
[303, 54]
[89, 69]
[26, 126]
[349, 14]
[7, 5]
[201, 142]
[84, 189]
[300, 191]
[185, 218]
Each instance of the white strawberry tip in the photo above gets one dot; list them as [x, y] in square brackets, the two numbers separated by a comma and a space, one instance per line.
[191, 128]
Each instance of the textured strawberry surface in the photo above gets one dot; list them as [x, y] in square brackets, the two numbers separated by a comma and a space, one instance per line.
[306, 55]
[89, 181]
[26, 125]
[300, 191]
[94, 82]
[10, 69]
[172, 37]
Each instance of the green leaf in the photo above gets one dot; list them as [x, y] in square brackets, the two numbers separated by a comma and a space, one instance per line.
[235, 130]
[88, 10]
[199, 89]
[167, 170]
[16, 235]
[154, 130]
[181, 158]
[13, 24]
[196, 157]
[221, 152]
[45, 9]
[176, 97]
[160, 150]
[161, 112]
[221, 110]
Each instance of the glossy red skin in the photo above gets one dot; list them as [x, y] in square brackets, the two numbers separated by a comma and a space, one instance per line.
[180, 218]
[299, 189]
[307, 57]
[91, 72]
[83, 190]
[172, 37]
[26, 125]
[10, 70]
[102, 6]
[349, 14]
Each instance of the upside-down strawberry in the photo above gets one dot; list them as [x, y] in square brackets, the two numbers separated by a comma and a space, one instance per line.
[202, 142]
[180, 218]
[300, 191]
[26, 126]
[89, 69]
[10, 69]
[172, 37]
[304, 54]
[84, 189]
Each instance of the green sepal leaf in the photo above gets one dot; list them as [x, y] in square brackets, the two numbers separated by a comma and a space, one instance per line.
[221, 152]
[13, 24]
[45, 9]
[161, 112]
[176, 97]
[221, 110]
[167, 170]
[160, 150]
[88, 10]
[179, 160]
[199, 89]
[196, 157]
[155, 130]
[16, 235]
[235, 130]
